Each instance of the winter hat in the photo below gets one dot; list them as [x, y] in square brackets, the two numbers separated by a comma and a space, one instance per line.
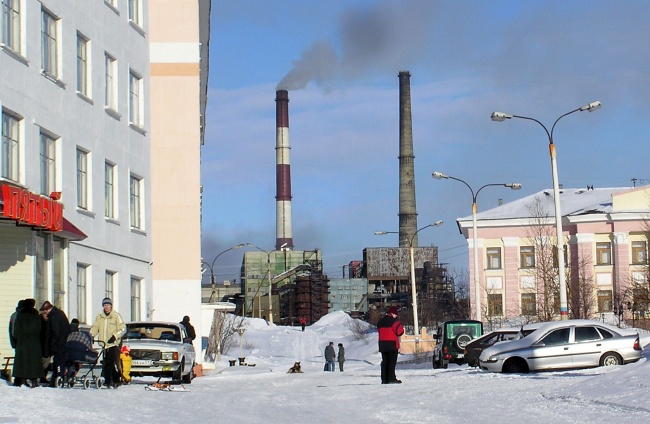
[107, 300]
[393, 310]
[46, 306]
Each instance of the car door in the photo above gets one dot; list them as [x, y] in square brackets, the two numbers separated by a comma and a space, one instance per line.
[551, 351]
[588, 346]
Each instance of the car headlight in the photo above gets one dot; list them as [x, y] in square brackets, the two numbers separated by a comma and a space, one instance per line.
[169, 356]
[492, 358]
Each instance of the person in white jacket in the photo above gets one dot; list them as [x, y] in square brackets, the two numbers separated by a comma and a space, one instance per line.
[109, 329]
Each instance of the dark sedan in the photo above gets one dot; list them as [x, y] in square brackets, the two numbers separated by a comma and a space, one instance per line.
[475, 347]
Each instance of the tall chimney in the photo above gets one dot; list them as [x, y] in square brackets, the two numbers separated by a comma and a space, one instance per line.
[283, 230]
[408, 217]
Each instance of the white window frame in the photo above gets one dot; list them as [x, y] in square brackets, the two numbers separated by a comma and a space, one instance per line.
[136, 100]
[109, 284]
[82, 292]
[110, 81]
[110, 193]
[10, 146]
[135, 12]
[136, 201]
[50, 44]
[83, 65]
[136, 296]
[48, 152]
[83, 178]
[12, 24]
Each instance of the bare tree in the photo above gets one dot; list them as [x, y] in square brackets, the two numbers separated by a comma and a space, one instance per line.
[581, 290]
[222, 333]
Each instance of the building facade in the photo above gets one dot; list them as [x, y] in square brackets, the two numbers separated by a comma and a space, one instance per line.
[606, 240]
[74, 80]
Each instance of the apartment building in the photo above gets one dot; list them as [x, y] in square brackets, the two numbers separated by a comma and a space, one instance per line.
[606, 243]
[75, 219]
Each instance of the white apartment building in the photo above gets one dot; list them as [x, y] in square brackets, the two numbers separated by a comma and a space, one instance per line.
[75, 171]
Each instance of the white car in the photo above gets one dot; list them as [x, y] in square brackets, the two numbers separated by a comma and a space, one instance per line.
[160, 349]
[564, 344]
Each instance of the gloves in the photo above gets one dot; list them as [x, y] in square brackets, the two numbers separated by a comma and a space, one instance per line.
[111, 340]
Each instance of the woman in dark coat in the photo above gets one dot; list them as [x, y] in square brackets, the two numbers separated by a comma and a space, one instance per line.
[28, 364]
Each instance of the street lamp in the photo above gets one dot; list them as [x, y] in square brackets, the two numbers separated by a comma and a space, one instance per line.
[268, 265]
[477, 286]
[416, 328]
[211, 266]
[500, 117]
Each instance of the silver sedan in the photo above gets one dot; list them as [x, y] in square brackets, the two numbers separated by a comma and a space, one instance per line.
[564, 344]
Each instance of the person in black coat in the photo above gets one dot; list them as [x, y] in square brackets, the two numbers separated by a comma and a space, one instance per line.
[191, 333]
[28, 365]
[56, 334]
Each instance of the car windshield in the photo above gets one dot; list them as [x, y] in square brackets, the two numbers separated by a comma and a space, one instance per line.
[149, 331]
[454, 330]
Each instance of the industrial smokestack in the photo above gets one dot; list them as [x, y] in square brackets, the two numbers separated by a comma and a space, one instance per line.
[408, 217]
[283, 230]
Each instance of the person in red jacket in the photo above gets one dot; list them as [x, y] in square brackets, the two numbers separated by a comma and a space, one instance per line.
[390, 329]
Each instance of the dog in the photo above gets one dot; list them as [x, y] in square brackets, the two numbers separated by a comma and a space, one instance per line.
[295, 368]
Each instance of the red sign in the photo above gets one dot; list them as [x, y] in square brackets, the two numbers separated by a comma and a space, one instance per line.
[31, 209]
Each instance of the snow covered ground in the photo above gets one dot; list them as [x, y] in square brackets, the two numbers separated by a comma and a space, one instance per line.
[266, 393]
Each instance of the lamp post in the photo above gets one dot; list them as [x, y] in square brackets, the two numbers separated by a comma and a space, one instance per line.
[416, 328]
[211, 266]
[500, 117]
[268, 265]
[477, 286]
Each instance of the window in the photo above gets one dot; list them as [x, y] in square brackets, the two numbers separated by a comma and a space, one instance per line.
[586, 334]
[109, 190]
[493, 257]
[604, 301]
[48, 164]
[136, 202]
[108, 280]
[603, 253]
[529, 304]
[135, 100]
[58, 264]
[135, 15]
[82, 271]
[10, 149]
[495, 304]
[11, 24]
[557, 337]
[82, 179]
[49, 44]
[110, 80]
[135, 299]
[83, 64]
[527, 256]
[639, 253]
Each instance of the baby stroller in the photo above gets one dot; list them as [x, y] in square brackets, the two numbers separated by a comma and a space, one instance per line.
[80, 360]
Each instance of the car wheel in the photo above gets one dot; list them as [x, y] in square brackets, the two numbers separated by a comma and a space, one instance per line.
[435, 363]
[187, 379]
[462, 340]
[515, 365]
[610, 358]
[178, 374]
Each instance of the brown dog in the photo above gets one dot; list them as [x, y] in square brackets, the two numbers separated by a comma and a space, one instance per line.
[295, 368]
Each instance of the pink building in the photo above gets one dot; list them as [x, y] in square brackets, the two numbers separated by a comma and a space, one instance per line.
[605, 237]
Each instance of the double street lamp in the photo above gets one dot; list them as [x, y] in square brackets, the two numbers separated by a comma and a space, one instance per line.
[477, 286]
[416, 328]
[500, 117]
[211, 266]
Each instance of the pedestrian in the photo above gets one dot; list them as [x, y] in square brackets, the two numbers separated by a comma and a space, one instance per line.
[341, 356]
[390, 329]
[109, 329]
[330, 356]
[28, 366]
[57, 331]
[191, 333]
[12, 336]
[303, 322]
[46, 359]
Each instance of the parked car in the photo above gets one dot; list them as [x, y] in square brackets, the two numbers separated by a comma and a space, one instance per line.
[526, 329]
[451, 339]
[474, 348]
[160, 349]
[564, 344]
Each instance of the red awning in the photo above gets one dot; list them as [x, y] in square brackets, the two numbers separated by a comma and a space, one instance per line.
[71, 232]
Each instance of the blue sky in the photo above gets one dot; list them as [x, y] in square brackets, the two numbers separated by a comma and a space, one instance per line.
[466, 59]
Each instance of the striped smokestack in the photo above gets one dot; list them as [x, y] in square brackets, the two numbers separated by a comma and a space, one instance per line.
[283, 230]
[408, 217]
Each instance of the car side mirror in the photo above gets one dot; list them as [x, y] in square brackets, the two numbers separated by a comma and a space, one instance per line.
[187, 340]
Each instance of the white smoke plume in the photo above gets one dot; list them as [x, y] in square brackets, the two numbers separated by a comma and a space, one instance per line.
[384, 37]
